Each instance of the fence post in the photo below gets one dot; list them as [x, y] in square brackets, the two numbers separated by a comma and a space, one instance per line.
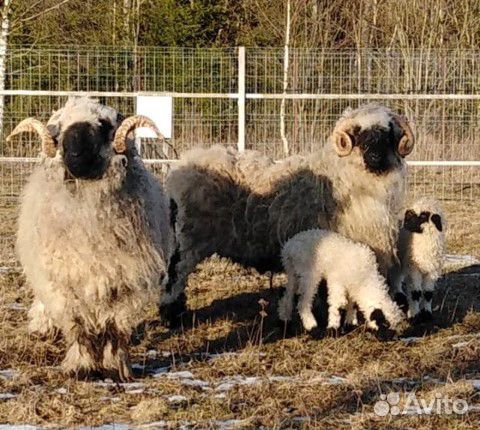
[241, 98]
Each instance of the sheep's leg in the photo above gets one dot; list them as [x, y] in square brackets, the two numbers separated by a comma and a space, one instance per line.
[337, 302]
[173, 302]
[285, 306]
[351, 319]
[81, 358]
[414, 293]
[397, 280]
[115, 354]
[307, 290]
[380, 311]
[39, 321]
[427, 292]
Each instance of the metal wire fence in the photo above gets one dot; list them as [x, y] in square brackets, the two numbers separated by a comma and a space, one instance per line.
[438, 90]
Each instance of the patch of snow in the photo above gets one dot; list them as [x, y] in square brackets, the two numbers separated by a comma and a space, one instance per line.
[475, 383]
[16, 306]
[460, 344]
[300, 419]
[160, 371]
[220, 396]
[155, 424]
[177, 399]
[18, 427]
[137, 366]
[184, 377]
[409, 340]
[184, 374]
[152, 353]
[61, 390]
[108, 427]
[8, 374]
[111, 399]
[194, 383]
[7, 396]
[227, 384]
[137, 391]
[128, 386]
[228, 424]
[458, 261]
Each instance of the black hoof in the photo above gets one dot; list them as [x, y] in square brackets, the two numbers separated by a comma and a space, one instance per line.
[347, 328]
[424, 317]
[171, 314]
[333, 332]
[384, 331]
[402, 302]
[316, 333]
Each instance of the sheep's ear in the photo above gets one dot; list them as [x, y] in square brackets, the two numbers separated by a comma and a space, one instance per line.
[409, 214]
[342, 142]
[437, 221]
[53, 129]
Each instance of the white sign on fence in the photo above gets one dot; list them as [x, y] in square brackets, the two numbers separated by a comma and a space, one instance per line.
[160, 110]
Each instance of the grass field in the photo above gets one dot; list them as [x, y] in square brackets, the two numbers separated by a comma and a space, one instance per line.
[232, 366]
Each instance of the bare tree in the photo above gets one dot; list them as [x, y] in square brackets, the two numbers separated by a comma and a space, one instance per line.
[286, 149]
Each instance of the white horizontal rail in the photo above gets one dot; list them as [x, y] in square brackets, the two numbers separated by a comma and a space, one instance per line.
[117, 94]
[312, 96]
[368, 96]
[434, 163]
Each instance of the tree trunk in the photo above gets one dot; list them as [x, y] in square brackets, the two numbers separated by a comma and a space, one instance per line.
[286, 149]
[3, 58]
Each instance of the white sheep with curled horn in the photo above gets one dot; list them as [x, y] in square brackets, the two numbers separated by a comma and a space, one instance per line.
[94, 235]
[244, 206]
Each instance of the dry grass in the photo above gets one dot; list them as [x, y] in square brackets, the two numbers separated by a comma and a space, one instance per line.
[226, 319]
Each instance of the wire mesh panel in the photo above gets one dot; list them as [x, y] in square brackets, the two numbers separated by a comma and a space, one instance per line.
[436, 89]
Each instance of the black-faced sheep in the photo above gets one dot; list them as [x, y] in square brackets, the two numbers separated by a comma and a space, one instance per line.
[244, 206]
[351, 272]
[94, 234]
[421, 246]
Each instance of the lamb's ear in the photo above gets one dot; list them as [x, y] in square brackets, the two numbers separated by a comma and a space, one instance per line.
[437, 221]
[342, 142]
[412, 222]
[409, 214]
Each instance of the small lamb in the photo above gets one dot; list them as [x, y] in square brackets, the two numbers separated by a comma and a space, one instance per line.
[351, 271]
[421, 246]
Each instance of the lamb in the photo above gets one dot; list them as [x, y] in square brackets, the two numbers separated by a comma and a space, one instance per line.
[351, 272]
[421, 250]
[94, 235]
[244, 206]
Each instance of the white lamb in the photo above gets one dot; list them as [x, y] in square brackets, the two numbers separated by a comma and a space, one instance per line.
[421, 250]
[351, 272]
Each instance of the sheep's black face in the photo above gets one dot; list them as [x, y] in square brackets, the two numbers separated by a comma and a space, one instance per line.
[413, 222]
[87, 149]
[379, 148]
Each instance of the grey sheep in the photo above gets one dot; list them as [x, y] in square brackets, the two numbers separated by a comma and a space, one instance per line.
[244, 206]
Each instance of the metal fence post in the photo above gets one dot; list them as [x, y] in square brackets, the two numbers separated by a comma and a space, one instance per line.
[241, 98]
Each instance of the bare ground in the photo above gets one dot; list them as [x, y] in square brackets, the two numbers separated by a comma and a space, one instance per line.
[245, 370]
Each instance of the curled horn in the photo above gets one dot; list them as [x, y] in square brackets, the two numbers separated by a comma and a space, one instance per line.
[127, 126]
[34, 125]
[342, 142]
[407, 142]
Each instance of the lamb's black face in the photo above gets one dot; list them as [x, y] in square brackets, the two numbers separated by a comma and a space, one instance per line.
[87, 148]
[413, 222]
[379, 147]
